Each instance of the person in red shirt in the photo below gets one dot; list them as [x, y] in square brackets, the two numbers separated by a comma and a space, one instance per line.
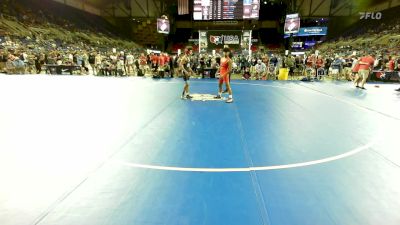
[161, 60]
[143, 59]
[310, 66]
[391, 64]
[142, 64]
[391, 69]
[167, 58]
[310, 61]
[366, 63]
[161, 65]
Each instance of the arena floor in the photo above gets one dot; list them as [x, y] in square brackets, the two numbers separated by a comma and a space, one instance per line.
[99, 150]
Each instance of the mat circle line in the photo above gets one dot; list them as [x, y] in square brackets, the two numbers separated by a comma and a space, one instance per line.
[249, 169]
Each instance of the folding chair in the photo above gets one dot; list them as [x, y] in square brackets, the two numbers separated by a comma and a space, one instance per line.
[309, 73]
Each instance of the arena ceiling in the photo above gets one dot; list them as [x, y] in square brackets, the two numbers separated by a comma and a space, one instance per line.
[131, 8]
[335, 8]
[98, 3]
[155, 8]
[121, 8]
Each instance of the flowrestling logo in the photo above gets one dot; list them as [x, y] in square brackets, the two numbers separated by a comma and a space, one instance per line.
[225, 39]
[370, 15]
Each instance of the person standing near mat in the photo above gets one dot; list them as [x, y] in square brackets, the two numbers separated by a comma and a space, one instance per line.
[230, 72]
[224, 70]
[366, 64]
[184, 67]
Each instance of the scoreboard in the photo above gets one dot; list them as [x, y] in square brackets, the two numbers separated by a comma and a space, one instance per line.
[225, 9]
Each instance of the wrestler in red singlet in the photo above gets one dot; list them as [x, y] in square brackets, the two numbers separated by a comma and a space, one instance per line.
[224, 70]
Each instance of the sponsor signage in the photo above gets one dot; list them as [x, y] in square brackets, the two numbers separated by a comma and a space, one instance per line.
[217, 39]
[309, 44]
[224, 39]
[311, 31]
[370, 15]
[297, 44]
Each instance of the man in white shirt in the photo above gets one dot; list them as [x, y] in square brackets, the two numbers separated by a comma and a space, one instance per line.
[120, 66]
[97, 61]
[129, 64]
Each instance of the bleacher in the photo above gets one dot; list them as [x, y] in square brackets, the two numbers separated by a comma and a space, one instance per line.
[48, 20]
[371, 33]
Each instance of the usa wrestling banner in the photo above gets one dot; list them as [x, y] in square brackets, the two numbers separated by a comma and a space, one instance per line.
[218, 39]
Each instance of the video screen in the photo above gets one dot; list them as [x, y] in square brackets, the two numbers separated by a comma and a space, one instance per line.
[292, 24]
[163, 26]
[226, 9]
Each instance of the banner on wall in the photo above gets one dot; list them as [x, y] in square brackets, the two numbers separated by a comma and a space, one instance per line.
[310, 31]
[246, 42]
[203, 41]
[217, 39]
[214, 40]
[297, 44]
[309, 44]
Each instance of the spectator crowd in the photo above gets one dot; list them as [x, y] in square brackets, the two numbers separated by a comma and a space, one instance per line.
[73, 48]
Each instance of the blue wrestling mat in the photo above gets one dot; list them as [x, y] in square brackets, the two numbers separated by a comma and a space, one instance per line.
[89, 150]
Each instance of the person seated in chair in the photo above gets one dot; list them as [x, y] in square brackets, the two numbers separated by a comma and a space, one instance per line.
[246, 74]
[319, 65]
[261, 70]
